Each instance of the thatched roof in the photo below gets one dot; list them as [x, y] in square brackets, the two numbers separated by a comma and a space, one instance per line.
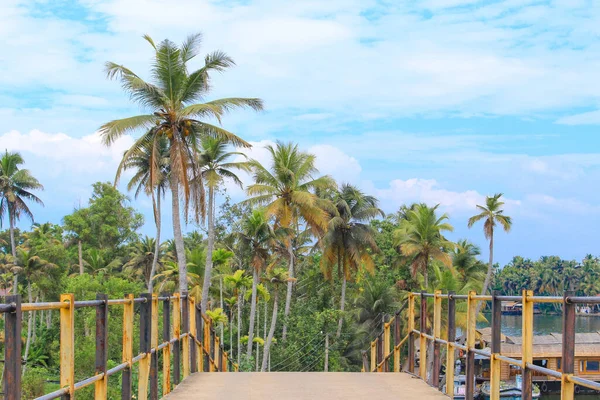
[549, 346]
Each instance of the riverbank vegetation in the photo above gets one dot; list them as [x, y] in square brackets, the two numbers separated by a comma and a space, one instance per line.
[300, 258]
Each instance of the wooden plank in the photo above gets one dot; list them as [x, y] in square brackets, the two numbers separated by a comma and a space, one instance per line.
[411, 336]
[185, 342]
[127, 347]
[101, 386]
[145, 345]
[167, 349]
[386, 346]
[67, 344]
[470, 363]
[527, 344]
[397, 339]
[450, 349]
[192, 331]
[568, 347]
[176, 335]
[437, 331]
[154, 346]
[12, 349]
[496, 365]
[365, 361]
[423, 340]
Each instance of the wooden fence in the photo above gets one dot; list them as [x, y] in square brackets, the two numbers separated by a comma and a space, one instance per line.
[188, 337]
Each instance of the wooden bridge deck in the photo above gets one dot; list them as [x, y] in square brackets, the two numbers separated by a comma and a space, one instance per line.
[303, 385]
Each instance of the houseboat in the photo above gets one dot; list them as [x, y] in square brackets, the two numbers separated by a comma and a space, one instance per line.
[547, 353]
[515, 308]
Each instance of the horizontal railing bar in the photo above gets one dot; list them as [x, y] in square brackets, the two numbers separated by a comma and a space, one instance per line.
[545, 371]
[4, 308]
[113, 302]
[54, 395]
[88, 381]
[138, 358]
[428, 337]
[546, 299]
[56, 305]
[482, 297]
[481, 352]
[584, 382]
[441, 341]
[583, 300]
[509, 360]
[88, 303]
[116, 369]
[459, 346]
[460, 297]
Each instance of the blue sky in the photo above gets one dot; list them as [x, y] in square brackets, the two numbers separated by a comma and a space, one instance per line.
[442, 101]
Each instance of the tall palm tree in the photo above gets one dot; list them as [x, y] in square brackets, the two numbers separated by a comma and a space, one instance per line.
[257, 234]
[277, 277]
[16, 186]
[492, 214]
[142, 181]
[239, 282]
[142, 260]
[173, 111]
[221, 260]
[215, 166]
[262, 293]
[286, 189]
[420, 238]
[464, 260]
[349, 241]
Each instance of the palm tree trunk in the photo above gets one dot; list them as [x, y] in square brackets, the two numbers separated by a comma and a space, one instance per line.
[157, 221]
[221, 301]
[177, 236]
[80, 253]
[288, 297]
[342, 304]
[29, 329]
[267, 349]
[231, 333]
[258, 333]
[252, 312]
[13, 248]
[239, 326]
[488, 276]
[209, 249]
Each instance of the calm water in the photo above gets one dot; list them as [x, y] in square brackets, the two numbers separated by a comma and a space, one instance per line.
[543, 325]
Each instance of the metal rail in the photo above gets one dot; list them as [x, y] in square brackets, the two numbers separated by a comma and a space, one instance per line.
[429, 332]
[187, 334]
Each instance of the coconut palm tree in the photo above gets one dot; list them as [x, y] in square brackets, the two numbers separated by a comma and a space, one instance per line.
[239, 282]
[257, 235]
[142, 260]
[173, 112]
[349, 241]
[215, 166]
[231, 302]
[16, 186]
[286, 189]
[153, 186]
[420, 238]
[492, 214]
[262, 293]
[221, 260]
[464, 260]
[277, 277]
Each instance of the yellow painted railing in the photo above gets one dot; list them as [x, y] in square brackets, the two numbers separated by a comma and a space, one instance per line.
[430, 333]
[188, 339]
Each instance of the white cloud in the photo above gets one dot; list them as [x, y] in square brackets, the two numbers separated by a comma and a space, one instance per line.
[587, 118]
[313, 116]
[334, 162]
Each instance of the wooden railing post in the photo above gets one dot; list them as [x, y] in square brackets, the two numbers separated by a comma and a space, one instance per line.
[471, 323]
[167, 349]
[101, 386]
[217, 347]
[177, 335]
[527, 345]
[154, 346]
[127, 347]
[207, 342]
[380, 352]
[450, 349]
[185, 342]
[496, 347]
[568, 348]
[423, 339]
[67, 344]
[365, 361]
[192, 331]
[397, 339]
[437, 330]
[145, 341]
[12, 350]
[213, 347]
[373, 356]
[411, 336]
[199, 337]
[386, 345]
